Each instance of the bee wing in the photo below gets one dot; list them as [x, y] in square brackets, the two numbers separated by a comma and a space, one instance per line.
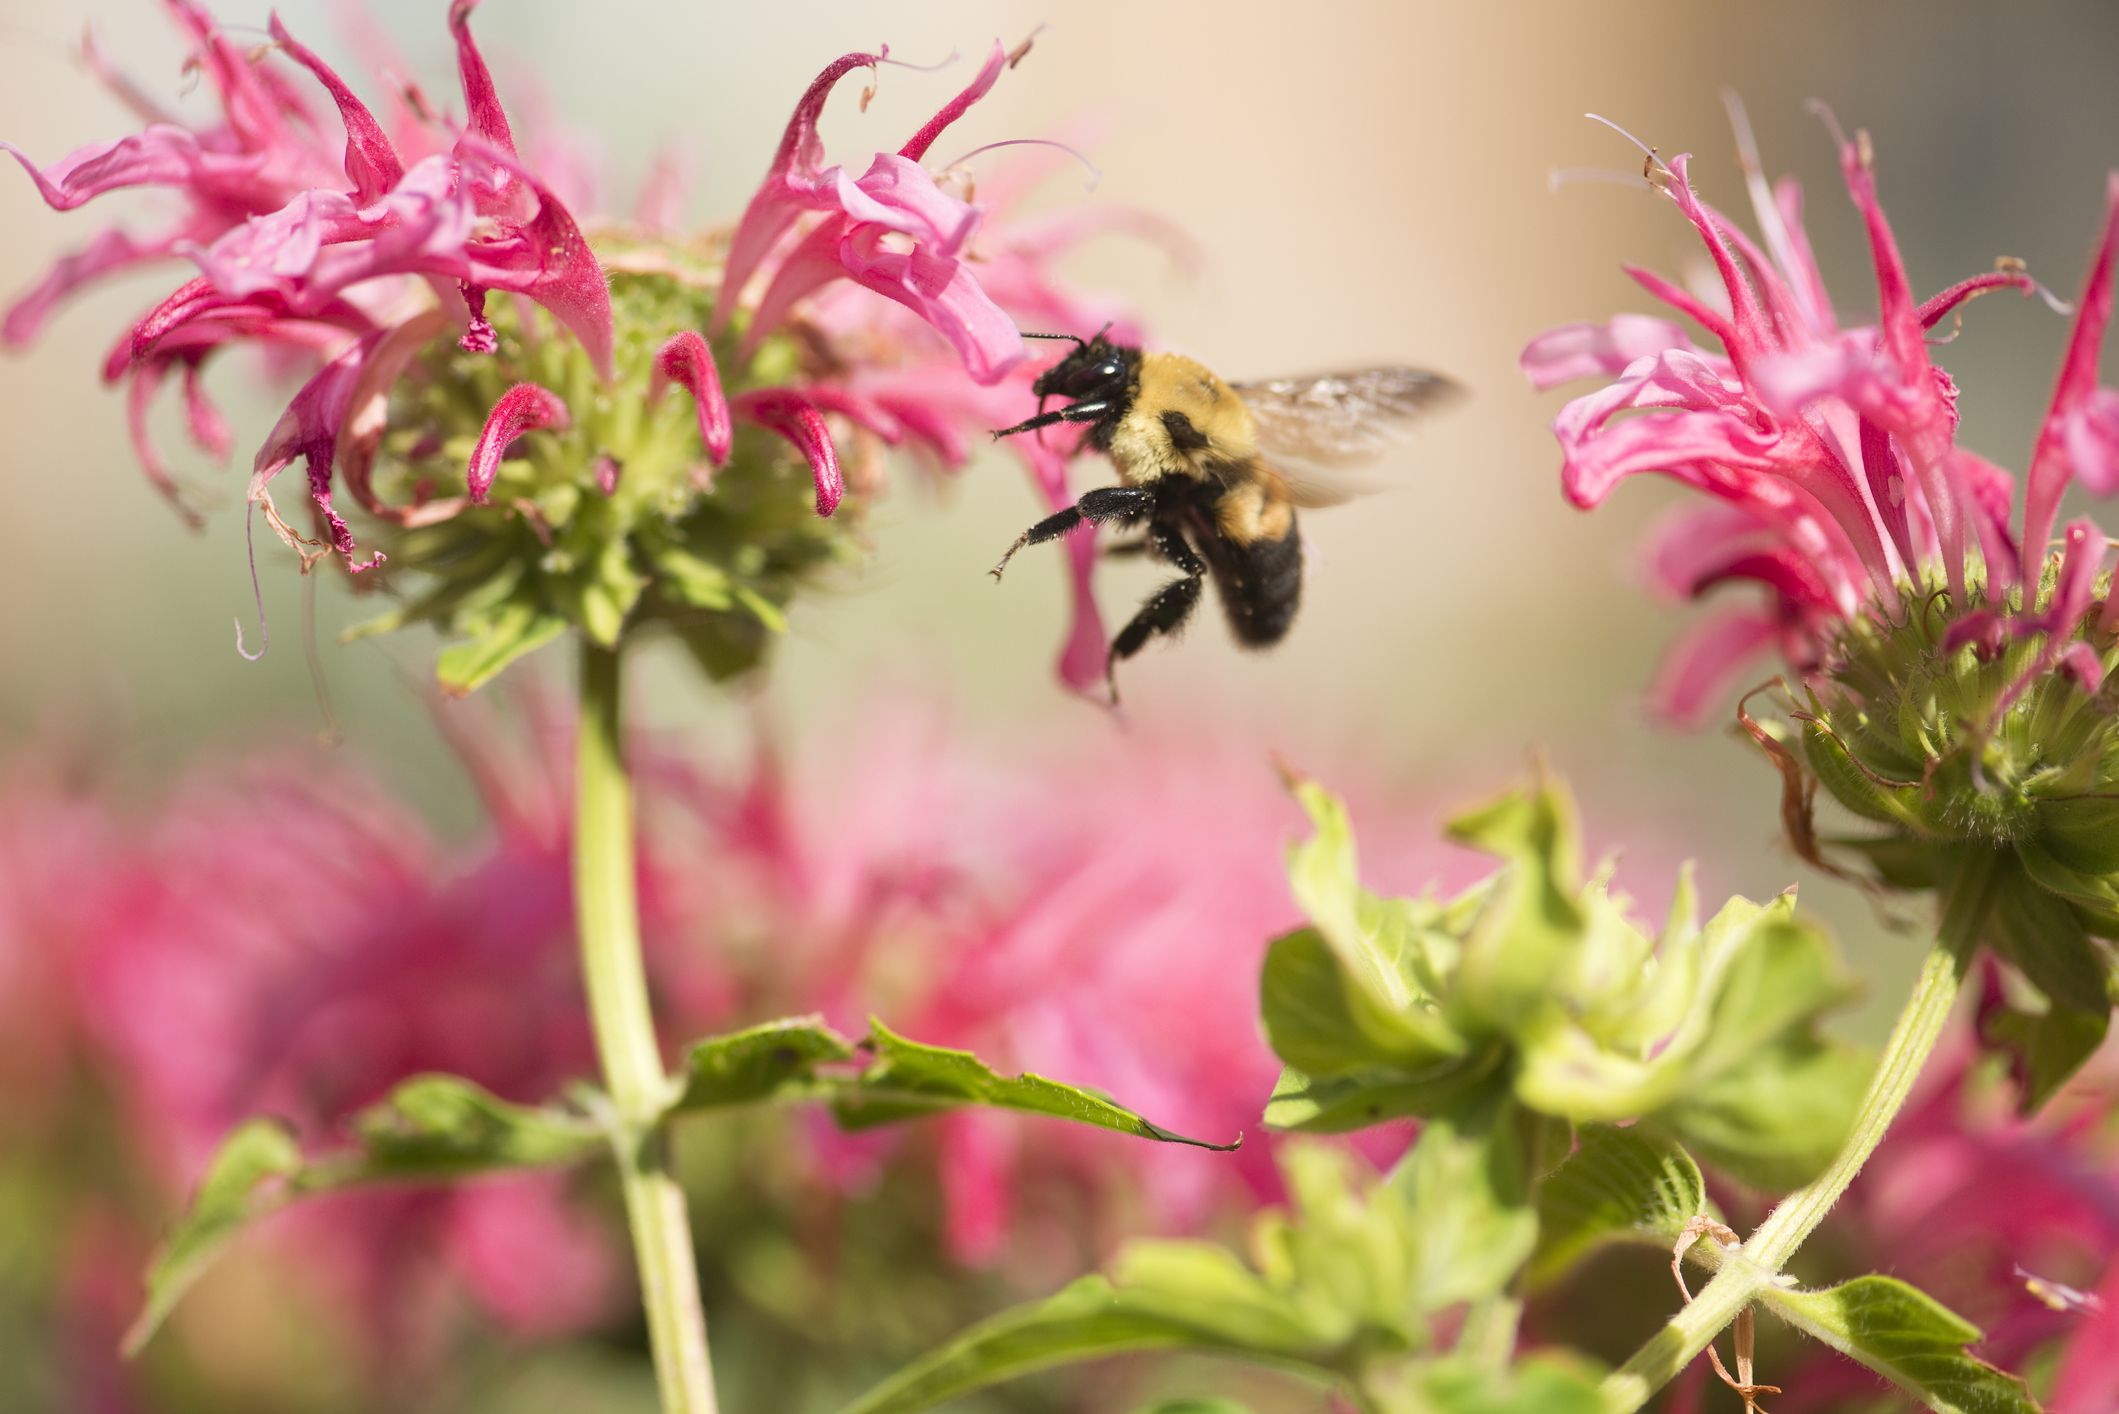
[1320, 432]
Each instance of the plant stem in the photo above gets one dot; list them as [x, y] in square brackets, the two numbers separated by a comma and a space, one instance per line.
[1757, 1264]
[608, 914]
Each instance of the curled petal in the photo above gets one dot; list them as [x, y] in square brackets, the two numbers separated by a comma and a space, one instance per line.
[2050, 464]
[1699, 669]
[688, 361]
[160, 155]
[309, 429]
[523, 408]
[108, 252]
[209, 429]
[486, 118]
[372, 164]
[1586, 350]
[944, 292]
[916, 147]
[2090, 437]
[797, 419]
[788, 186]
[863, 412]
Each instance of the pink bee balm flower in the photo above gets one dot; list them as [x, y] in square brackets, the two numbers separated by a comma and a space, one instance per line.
[436, 286]
[1108, 928]
[1830, 453]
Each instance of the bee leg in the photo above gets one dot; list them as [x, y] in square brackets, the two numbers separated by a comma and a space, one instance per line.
[1124, 504]
[1167, 608]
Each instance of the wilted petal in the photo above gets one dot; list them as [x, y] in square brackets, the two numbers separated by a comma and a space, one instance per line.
[688, 361]
[797, 419]
[309, 429]
[523, 408]
[1587, 350]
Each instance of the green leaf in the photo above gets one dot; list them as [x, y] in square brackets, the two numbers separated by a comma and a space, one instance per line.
[776, 1060]
[1354, 963]
[1089, 1320]
[442, 1126]
[260, 1154]
[1528, 934]
[1467, 1184]
[1907, 1337]
[1345, 1102]
[430, 1127]
[1619, 1185]
[2045, 1048]
[1535, 1385]
[513, 631]
[905, 1079]
[1217, 1404]
[2034, 928]
[1320, 1018]
[1776, 1121]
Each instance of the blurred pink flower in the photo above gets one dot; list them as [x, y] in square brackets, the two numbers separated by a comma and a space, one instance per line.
[1105, 927]
[1967, 1201]
[1830, 453]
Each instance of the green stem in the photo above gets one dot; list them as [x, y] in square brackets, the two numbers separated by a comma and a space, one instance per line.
[1757, 1264]
[608, 914]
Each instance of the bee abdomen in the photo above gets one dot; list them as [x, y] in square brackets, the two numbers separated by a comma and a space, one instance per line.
[1261, 586]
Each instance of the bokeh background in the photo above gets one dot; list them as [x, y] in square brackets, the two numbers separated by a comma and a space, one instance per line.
[1364, 182]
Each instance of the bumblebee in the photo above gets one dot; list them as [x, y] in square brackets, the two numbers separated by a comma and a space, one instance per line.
[1214, 472]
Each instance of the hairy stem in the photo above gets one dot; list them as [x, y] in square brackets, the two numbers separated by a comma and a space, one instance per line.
[608, 914]
[1757, 1264]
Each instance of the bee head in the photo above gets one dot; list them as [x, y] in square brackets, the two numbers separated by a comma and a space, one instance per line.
[1097, 370]
[1097, 379]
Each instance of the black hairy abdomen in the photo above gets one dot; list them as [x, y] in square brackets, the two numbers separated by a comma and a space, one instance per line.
[1260, 584]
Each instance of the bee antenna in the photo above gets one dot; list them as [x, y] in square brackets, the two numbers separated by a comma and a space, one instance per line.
[1075, 337]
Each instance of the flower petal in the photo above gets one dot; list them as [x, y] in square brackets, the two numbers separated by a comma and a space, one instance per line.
[797, 419]
[372, 163]
[1588, 350]
[523, 408]
[1701, 668]
[2073, 392]
[688, 361]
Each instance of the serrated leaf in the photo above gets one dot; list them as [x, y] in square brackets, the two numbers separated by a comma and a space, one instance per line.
[430, 1127]
[1909, 1338]
[258, 1155]
[776, 1060]
[1347, 1102]
[905, 1079]
[1619, 1185]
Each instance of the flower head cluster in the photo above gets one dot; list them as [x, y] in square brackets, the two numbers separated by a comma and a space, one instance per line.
[556, 424]
[1951, 671]
[1830, 453]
